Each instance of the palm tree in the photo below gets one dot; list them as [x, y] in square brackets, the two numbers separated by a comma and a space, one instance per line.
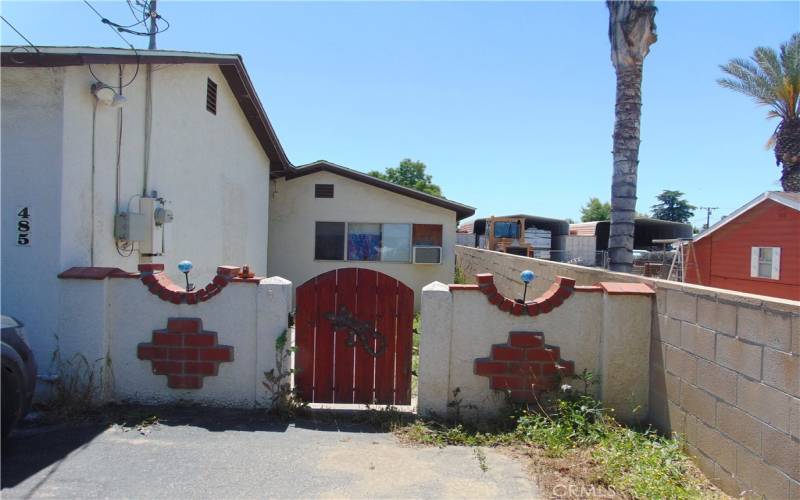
[632, 30]
[774, 80]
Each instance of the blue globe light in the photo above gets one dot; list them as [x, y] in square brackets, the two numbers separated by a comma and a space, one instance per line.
[185, 266]
[527, 276]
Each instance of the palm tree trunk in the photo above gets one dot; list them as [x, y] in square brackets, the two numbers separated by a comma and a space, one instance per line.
[787, 153]
[628, 112]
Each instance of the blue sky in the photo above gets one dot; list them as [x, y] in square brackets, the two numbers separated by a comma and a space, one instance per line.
[509, 104]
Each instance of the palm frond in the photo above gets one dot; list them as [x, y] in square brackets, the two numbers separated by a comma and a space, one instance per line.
[770, 78]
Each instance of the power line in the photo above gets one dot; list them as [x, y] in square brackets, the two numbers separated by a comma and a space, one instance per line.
[108, 23]
[20, 34]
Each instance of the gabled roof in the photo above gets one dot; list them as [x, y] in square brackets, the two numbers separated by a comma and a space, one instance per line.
[231, 66]
[791, 200]
[462, 211]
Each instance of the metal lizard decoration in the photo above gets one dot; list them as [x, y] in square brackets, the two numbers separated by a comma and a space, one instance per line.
[358, 332]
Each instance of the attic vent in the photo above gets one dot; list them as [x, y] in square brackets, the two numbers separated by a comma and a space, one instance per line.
[323, 191]
[211, 97]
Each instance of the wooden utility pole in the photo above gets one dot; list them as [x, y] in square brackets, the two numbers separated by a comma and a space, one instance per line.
[153, 26]
[708, 214]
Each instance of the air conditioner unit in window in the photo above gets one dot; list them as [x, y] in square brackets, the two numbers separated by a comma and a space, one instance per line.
[427, 255]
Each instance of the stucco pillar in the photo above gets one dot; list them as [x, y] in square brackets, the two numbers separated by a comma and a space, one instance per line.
[83, 338]
[434, 349]
[273, 303]
[625, 355]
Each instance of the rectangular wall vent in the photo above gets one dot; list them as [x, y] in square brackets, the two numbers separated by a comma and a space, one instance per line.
[323, 191]
[211, 97]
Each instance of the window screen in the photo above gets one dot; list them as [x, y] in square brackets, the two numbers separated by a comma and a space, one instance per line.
[765, 262]
[427, 235]
[363, 241]
[396, 243]
[329, 241]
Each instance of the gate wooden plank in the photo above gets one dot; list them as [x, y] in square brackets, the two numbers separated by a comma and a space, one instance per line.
[405, 324]
[304, 340]
[366, 302]
[323, 361]
[387, 325]
[345, 296]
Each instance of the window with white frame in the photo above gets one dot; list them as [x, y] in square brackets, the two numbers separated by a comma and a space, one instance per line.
[372, 241]
[765, 262]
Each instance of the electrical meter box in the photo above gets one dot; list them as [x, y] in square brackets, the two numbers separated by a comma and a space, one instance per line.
[153, 243]
[131, 227]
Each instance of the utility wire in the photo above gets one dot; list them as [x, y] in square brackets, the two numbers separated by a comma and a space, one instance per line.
[108, 23]
[20, 34]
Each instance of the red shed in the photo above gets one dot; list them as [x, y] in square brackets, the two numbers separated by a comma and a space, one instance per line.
[755, 249]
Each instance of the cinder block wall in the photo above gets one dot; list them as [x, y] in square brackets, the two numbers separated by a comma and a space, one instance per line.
[724, 371]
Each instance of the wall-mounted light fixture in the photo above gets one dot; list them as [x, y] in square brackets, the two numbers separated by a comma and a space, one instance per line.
[107, 95]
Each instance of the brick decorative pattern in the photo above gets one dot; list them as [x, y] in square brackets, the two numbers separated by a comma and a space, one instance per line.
[185, 353]
[558, 292]
[159, 284]
[524, 366]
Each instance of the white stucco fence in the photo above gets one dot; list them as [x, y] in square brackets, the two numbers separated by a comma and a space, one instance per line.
[601, 329]
[106, 320]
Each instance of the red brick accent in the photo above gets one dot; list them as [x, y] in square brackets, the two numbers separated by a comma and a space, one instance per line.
[160, 285]
[95, 273]
[185, 353]
[150, 268]
[524, 366]
[552, 298]
[485, 278]
[486, 367]
[525, 339]
[504, 352]
[465, 288]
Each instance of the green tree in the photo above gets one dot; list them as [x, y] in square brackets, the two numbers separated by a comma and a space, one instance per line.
[773, 80]
[411, 174]
[631, 30]
[595, 210]
[672, 207]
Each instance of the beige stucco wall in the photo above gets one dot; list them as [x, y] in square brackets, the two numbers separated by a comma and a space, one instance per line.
[607, 335]
[210, 168]
[32, 129]
[724, 371]
[294, 211]
[103, 321]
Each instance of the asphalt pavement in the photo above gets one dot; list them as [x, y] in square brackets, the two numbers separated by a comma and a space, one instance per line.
[202, 453]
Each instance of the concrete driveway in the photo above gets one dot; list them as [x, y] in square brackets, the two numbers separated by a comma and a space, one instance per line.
[202, 454]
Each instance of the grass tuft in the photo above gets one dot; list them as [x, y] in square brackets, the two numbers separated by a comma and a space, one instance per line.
[574, 427]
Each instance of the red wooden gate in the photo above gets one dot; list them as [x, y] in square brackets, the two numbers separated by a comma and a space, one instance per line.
[353, 330]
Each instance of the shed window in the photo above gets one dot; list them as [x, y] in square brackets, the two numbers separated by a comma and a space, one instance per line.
[323, 190]
[329, 241]
[765, 262]
[211, 97]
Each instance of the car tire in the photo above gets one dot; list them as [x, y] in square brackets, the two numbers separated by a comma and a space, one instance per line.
[12, 400]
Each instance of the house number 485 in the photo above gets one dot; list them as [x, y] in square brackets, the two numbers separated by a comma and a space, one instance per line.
[24, 226]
